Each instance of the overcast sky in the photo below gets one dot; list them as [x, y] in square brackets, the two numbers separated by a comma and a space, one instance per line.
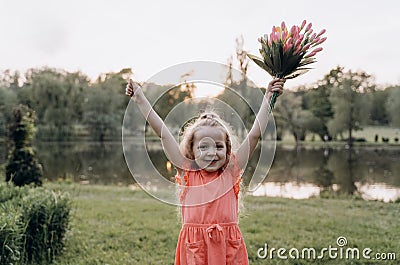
[98, 36]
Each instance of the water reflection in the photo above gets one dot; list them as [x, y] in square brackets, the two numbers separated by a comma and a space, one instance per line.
[297, 172]
[293, 190]
[371, 173]
[378, 191]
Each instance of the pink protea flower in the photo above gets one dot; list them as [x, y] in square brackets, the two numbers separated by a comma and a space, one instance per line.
[309, 27]
[317, 49]
[321, 41]
[305, 48]
[303, 24]
[283, 26]
[321, 32]
[311, 54]
[286, 52]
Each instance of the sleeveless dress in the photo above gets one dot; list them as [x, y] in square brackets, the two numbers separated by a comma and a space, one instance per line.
[210, 233]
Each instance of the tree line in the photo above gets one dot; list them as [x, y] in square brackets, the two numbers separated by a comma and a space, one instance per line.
[339, 104]
[68, 105]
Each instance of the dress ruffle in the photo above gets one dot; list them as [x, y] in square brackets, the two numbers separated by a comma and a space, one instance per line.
[235, 171]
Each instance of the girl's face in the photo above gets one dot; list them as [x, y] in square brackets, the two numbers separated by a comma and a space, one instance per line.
[209, 148]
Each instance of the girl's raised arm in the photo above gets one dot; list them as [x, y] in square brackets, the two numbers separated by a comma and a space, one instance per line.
[260, 124]
[170, 146]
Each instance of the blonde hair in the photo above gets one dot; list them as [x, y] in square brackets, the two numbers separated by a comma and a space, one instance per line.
[206, 119]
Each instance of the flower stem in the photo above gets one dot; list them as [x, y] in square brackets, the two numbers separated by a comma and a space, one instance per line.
[273, 100]
[274, 95]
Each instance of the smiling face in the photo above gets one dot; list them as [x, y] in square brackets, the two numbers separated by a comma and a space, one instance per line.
[209, 148]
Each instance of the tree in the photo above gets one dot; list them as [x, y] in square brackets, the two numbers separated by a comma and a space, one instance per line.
[101, 115]
[229, 76]
[393, 106]
[379, 114]
[8, 100]
[317, 101]
[173, 97]
[241, 55]
[104, 105]
[243, 87]
[350, 103]
[9, 83]
[23, 167]
[290, 115]
[57, 98]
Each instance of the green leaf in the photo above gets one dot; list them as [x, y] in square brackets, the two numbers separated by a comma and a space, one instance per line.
[307, 61]
[268, 62]
[265, 47]
[267, 58]
[296, 73]
[260, 63]
[276, 57]
[304, 68]
[292, 64]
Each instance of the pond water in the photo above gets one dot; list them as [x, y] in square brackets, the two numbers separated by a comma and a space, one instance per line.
[296, 172]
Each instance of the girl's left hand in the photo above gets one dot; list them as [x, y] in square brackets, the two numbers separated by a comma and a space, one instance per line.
[276, 85]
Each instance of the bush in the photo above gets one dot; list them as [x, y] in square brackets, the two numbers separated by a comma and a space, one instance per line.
[23, 167]
[11, 234]
[33, 223]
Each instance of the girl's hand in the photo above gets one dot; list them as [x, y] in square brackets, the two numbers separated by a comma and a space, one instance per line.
[276, 85]
[132, 88]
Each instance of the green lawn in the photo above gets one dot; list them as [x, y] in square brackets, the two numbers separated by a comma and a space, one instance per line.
[117, 225]
[368, 133]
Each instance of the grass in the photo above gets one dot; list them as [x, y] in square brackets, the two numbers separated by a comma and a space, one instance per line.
[117, 225]
[368, 133]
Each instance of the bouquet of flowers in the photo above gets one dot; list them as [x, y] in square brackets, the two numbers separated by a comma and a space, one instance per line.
[287, 51]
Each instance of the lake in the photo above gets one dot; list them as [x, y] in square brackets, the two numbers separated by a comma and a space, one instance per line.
[372, 173]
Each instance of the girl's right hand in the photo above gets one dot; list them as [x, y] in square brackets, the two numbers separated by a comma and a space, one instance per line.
[132, 88]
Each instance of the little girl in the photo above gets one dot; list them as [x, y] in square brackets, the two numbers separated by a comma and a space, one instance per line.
[209, 174]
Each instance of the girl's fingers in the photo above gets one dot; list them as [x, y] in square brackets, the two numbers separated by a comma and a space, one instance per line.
[131, 87]
[278, 89]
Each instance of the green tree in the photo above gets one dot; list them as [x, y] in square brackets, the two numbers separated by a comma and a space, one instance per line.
[169, 98]
[290, 115]
[9, 83]
[379, 115]
[23, 167]
[104, 105]
[350, 103]
[317, 101]
[8, 100]
[101, 115]
[116, 83]
[57, 98]
[393, 106]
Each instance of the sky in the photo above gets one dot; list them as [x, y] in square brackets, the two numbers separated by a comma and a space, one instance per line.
[99, 36]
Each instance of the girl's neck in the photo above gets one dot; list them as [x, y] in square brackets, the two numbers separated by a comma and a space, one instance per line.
[206, 173]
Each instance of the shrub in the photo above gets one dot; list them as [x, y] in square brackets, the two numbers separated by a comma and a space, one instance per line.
[11, 234]
[33, 224]
[23, 167]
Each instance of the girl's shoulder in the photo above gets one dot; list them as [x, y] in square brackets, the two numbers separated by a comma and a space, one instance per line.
[233, 167]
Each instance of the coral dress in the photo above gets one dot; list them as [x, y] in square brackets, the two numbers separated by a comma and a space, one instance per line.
[210, 233]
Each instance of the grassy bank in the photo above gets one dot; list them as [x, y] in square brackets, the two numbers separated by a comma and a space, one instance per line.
[117, 225]
[368, 133]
